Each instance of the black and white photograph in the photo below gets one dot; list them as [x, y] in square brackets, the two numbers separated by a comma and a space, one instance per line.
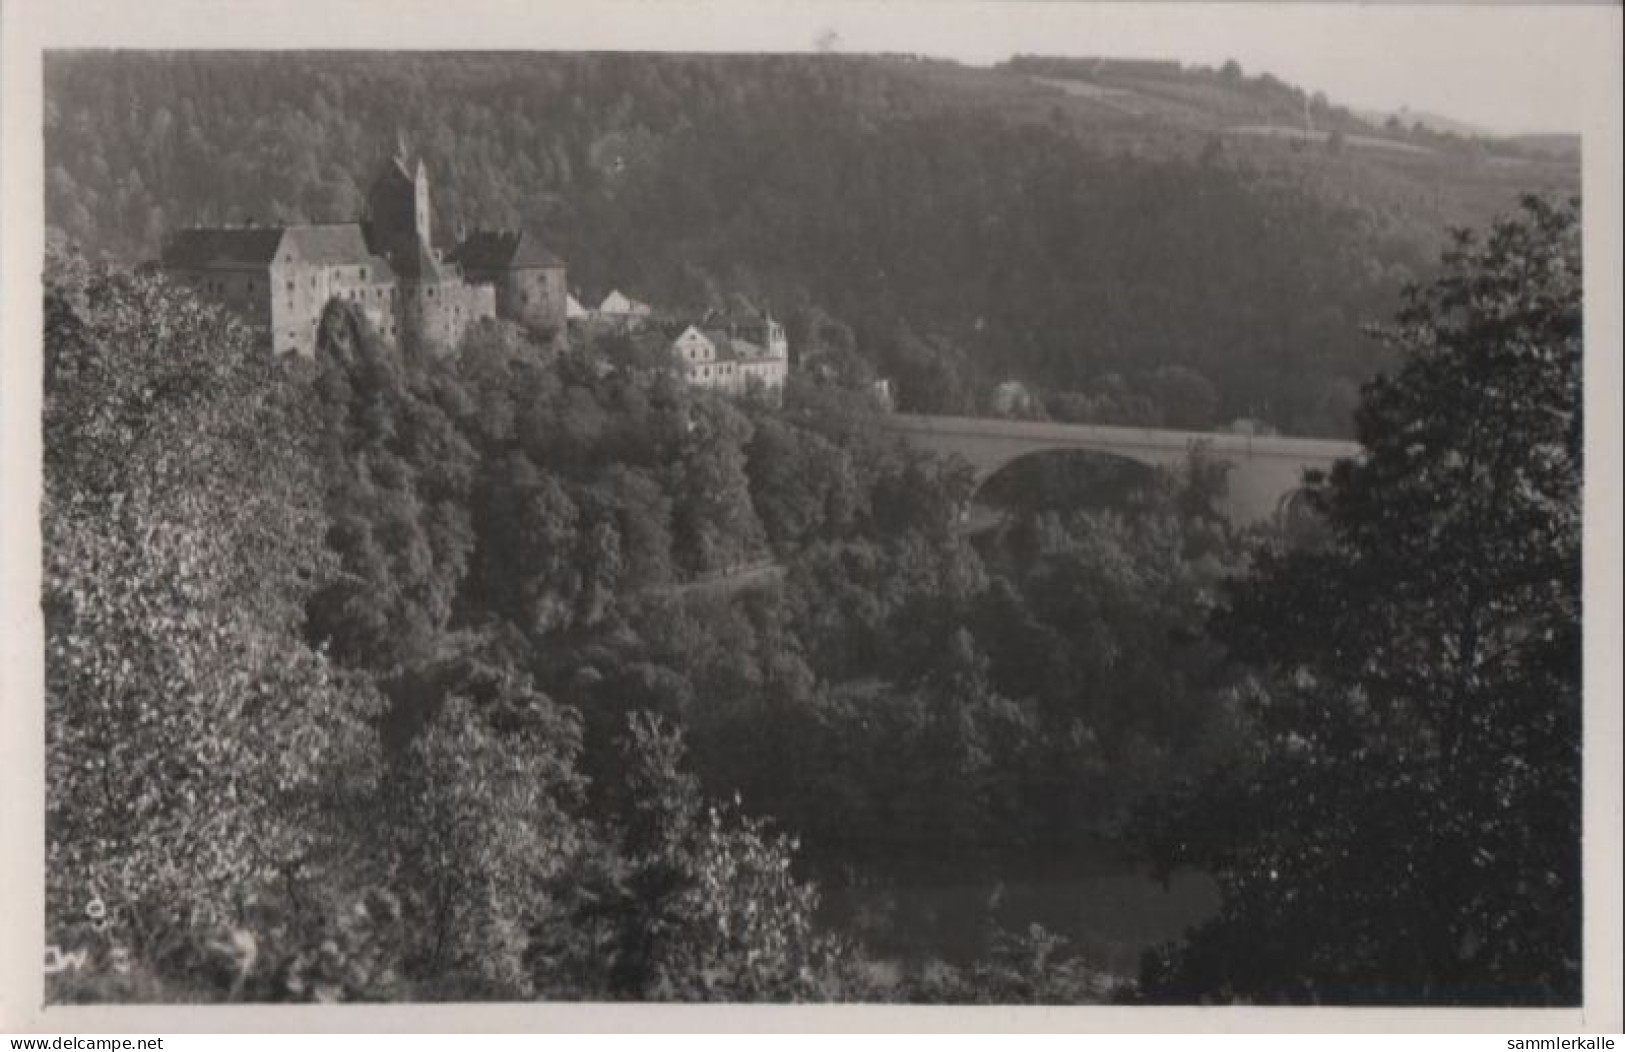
[1087, 508]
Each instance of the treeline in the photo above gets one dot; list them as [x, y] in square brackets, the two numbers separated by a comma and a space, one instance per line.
[955, 240]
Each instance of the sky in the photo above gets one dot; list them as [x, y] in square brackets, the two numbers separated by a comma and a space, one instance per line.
[1504, 67]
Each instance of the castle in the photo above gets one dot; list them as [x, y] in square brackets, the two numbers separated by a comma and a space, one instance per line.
[280, 279]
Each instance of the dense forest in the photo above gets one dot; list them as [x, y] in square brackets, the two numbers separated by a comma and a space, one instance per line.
[391, 676]
[1155, 260]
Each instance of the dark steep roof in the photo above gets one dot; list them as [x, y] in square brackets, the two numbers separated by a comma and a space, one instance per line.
[417, 263]
[733, 349]
[736, 312]
[745, 351]
[330, 243]
[223, 247]
[394, 169]
[502, 250]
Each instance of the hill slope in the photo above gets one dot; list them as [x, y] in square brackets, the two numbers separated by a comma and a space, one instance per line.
[1166, 244]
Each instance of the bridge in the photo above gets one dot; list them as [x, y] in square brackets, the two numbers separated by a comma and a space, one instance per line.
[1264, 470]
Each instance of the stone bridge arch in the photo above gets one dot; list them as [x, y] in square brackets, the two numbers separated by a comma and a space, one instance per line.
[1088, 477]
[1262, 470]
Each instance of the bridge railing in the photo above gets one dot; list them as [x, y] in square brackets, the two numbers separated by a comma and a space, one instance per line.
[1163, 440]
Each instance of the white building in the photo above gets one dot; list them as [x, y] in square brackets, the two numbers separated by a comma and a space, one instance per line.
[717, 361]
[621, 309]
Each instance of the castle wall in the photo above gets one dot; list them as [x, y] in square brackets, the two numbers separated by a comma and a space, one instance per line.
[303, 290]
[284, 302]
[764, 375]
[283, 299]
[530, 296]
[438, 314]
[534, 297]
[245, 290]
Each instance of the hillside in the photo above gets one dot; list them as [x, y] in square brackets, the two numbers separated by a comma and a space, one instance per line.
[1142, 242]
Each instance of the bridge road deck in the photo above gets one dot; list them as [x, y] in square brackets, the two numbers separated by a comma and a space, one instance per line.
[1264, 469]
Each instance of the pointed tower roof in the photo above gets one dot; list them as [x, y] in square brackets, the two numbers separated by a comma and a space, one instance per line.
[417, 263]
[394, 170]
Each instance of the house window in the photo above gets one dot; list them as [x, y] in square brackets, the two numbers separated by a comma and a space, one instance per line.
[290, 286]
[361, 272]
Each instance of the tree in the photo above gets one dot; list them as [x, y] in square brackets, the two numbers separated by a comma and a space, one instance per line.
[527, 566]
[191, 737]
[398, 475]
[1410, 831]
[473, 820]
[1184, 395]
[697, 902]
[801, 484]
[713, 523]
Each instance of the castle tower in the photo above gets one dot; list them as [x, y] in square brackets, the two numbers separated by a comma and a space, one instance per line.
[397, 218]
[420, 200]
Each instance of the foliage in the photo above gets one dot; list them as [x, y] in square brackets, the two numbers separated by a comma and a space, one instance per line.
[1031, 967]
[802, 485]
[491, 546]
[474, 818]
[922, 219]
[398, 475]
[1409, 828]
[446, 663]
[193, 743]
[701, 904]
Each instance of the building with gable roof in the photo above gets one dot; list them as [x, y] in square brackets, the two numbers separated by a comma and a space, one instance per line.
[719, 361]
[742, 319]
[281, 279]
[622, 310]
